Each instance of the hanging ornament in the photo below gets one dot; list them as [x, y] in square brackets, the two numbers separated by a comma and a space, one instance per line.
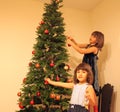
[52, 95]
[69, 80]
[52, 64]
[57, 78]
[69, 45]
[21, 106]
[37, 65]
[24, 80]
[46, 82]
[32, 102]
[46, 31]
[42, 22]
[19, 93]
[57, 1]
[66, 67]
[57, 97]
[30, 64]
[38, 93]
[33, 52]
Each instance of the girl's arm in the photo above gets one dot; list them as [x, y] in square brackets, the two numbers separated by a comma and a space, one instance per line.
[60, 84]
[83, 51]
[91, 96]
[77, 44]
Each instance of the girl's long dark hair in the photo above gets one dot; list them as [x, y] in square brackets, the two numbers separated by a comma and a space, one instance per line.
[100, 39]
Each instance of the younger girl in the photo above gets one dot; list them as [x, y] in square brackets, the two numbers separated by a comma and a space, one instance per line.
[90, 52]
[83, 94]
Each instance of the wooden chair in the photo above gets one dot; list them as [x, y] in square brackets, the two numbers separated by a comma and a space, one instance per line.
[105, 98]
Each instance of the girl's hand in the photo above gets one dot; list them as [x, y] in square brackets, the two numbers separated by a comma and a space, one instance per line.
[70, 38]
[69, 42]
[47, 79]
[87, 95]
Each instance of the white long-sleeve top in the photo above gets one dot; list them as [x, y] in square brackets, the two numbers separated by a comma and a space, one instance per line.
[78, 94]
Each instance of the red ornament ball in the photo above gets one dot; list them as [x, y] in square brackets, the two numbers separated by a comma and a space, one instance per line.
[19, 93]
[37, 65]
[21, 106]
[38, 93]
[52, 64]
[46, 82]
[52, 95]
[30, 64]
[46, 31]
[32, 102]
[24, 80]
[57, 97]
[33, 52]
[57, 78]
[69, 45]
[42, 22]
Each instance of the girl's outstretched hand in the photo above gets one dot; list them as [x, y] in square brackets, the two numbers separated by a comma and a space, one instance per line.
[70, 38]
[48, 80]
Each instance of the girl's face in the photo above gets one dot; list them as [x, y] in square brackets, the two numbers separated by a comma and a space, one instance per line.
[82, 76]
[92, 40]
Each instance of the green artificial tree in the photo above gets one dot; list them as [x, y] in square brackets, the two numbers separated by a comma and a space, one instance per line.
[49, 59]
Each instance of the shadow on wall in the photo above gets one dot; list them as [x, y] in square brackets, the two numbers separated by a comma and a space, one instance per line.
[74, 61]
[113, 102]
[104, 55]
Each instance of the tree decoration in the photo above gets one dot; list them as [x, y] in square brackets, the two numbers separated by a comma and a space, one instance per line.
[52, 64]
[19, 93]
[32, 102]
[69, 45]
[57, 97]
[66, 67]
[49, 56]
[21, 106]
[52, 95]
[57, 78]
[30, 63]
[37, 65]
[33, 52]
[38, 93]
[46, 31]
[69, 80]
[24, 80]
[42, 22]
[46, 82]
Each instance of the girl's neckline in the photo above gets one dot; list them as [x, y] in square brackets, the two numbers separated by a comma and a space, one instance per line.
[82, 83]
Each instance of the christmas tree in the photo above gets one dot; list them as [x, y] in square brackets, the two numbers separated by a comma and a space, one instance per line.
[49, 59]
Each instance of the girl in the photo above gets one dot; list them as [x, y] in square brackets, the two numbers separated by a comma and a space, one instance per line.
[83, 94]
[90, 52]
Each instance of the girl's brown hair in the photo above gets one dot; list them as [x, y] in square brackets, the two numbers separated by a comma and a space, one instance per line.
[87, 68]
[100, 39]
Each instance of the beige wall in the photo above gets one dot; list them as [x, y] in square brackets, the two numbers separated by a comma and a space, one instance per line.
[18, 22]
[106, 17]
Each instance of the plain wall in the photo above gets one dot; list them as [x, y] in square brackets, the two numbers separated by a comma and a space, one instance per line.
[106, 18]
[18, 23]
